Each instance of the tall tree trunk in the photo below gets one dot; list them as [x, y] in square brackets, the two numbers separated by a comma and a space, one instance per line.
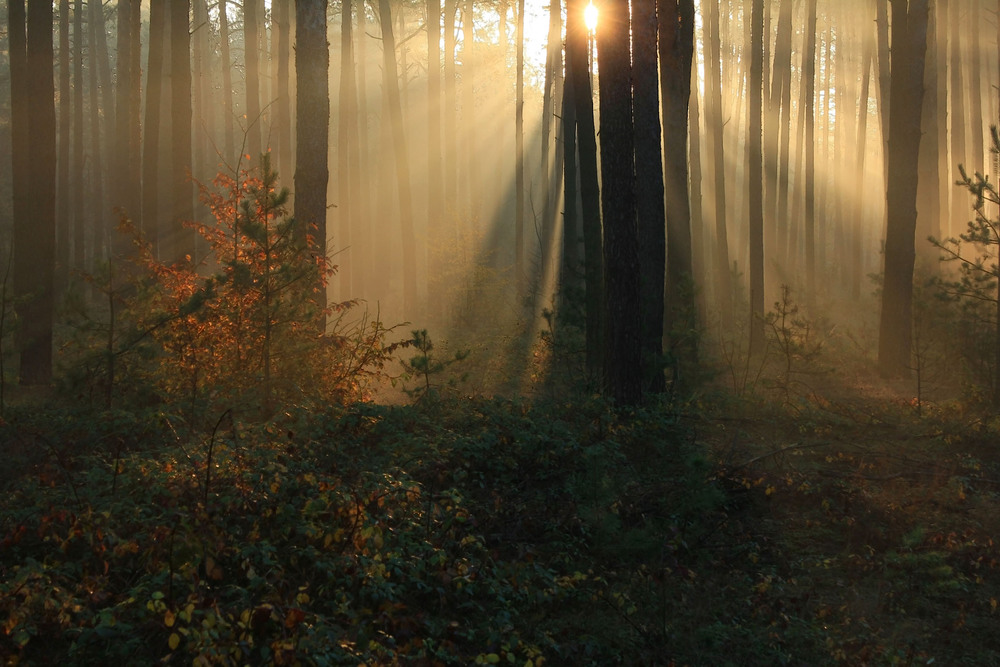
[63, 215]
[100, 80]
[390, 85]
[78, 208]
[977, 140]
[857, 213]
[519, 153]
[127, 173]
[809, 140]
[200, 91]
[468, 106]
[151, 148]
[622, 366]
[434, 107]
[590, 192]
[553, 44]
[450, 104]
[34, 159]
[960, 211]
[929, 196]
[909, 43]
[776, 124]
[347, 138]
[755, 168]
[570, 267]
[714, 115]
[229, 140]
[697, 226]
[283, 115]
[179, 241]
[251, 42]
[676, 49]
[649, 205]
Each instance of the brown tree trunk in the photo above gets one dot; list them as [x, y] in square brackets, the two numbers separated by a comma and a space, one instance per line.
[35, 160]
[251, 41]
[283, 115]
[63, 215]
[179, 241]
[755, 169]
[229, 140]
[714, 115]
[468, 107]
[809, 140]
[909, 43]
[622, 366]
[519, 275]
[390, 85]
[151, 148]
[78, 208]
[100, 80]
[346, 140]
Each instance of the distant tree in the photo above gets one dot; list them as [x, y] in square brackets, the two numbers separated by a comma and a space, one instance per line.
[179, 241]
[100, 99]
[312, 109]
[909, 44]
[282, 101]
[251, 44]
[63, 213]
[126, 179]
[151, 158]
[347, 138]
[435, 106]
[519, 151]
[809, 140]
[550, 95]
[468, 105]
[622, 365]
[716, 147]
[229, 143]
[77, 199]
[755, 169]
[390, 87]
[34, 161]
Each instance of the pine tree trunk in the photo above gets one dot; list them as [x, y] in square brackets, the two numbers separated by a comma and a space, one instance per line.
[651, 214]
[346, 135]
[519, 274]
[99, 203]
[151, 148]
[179, 241]
[755, 169]
[468, 108]
[390, 85]
[78, 208]
[676, 45]
[909, 43]
[251, 41]
[622, 367]
[809, 141]
[283, 115]
[590, 192]
[63, 222]
[229, 140]
[713, 81]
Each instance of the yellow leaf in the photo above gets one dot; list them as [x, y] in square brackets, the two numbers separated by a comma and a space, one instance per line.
[174, 641]
[168, 619]
[769, 490]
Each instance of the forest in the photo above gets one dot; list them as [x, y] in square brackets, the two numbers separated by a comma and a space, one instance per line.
[531, 332]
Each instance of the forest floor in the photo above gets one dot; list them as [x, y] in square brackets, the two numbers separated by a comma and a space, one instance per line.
[834, 525]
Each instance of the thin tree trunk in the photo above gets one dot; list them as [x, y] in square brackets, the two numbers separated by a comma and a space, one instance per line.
[450, 104]
[390, 84]
[347, 138]
[468, 107]
[756, 177]
[63, 215]
[78, 208]
[809, 140]
[434, 107]
[960, 207]
[713, 80]
[229, 140]
[519, 275]
[151, 148]
[251, 41]
[99, 203]
[179, 241]
[283, 115]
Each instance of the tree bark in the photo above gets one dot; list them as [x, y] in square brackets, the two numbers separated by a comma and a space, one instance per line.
[251, 43]
[622, 367]
[228, 138]
[63, 215]
[151, 147]
[651, 214]
[755, 168]
[78, 208]
[713, 81]
[519, 275]
[590, 192]
[346, 140]
[909, 43]
[676, 46]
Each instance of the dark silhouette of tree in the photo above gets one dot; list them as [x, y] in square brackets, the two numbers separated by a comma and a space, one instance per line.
[651, 215]
[909, 44]
[34, 162]
[676, 50]
[312, 109]
[63, 213]
[77, 190]
[579, 69]
[622, 365]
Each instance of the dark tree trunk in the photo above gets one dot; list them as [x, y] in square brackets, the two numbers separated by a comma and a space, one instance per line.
[78, 208]
[809, 103]
[283, 115]
[63, 214]
[590, 193]
[312, 131]
[909, 43]
[99, 203]
[622, 365]
[715, 130]
[34, 160]
[570, 268]
[676, 22]
[346, 140]
[650, 212]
